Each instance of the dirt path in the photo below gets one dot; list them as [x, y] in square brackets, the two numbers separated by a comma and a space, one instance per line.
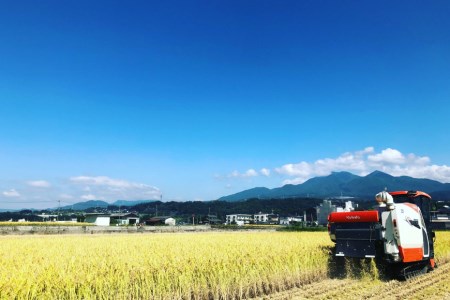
[434, 285]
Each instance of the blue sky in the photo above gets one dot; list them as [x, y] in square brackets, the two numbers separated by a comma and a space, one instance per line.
[195, 100]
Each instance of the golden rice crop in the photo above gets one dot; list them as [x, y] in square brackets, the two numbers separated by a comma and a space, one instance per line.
[165, 266]
[442, 246]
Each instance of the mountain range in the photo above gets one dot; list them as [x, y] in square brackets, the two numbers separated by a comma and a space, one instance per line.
[334, 185]
[347, 184]
[103, 204]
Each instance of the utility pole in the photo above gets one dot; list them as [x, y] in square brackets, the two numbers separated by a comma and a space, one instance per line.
[59, 208]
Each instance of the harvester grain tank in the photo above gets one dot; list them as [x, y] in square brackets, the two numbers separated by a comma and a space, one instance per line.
[397, 234]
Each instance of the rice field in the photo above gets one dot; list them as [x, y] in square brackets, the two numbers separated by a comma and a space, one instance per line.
[213, 265]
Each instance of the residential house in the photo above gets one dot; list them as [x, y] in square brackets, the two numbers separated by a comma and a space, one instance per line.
[239, 219]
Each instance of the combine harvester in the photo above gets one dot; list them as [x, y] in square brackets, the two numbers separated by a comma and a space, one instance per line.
[398, 235]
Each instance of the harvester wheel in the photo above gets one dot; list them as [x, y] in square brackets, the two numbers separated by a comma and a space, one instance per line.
[405, 271]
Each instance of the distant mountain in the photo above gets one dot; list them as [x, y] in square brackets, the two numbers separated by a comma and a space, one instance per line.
[347, 184]
[251, 193]
[376, 180]
[317, 186]
[130, 202]
[87, 204]
[103, 204]
[8, 210]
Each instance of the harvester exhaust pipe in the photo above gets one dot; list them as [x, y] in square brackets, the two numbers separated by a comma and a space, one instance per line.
[385, 199]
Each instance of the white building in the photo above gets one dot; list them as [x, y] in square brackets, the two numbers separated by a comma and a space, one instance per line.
[170, 222]
[260, 218]
[263, 218]
[348, 207]
[125, 218]
[239, 219]
[98, 219]
[48, 218]
[290, 220]
[323, 210]
[326, 208]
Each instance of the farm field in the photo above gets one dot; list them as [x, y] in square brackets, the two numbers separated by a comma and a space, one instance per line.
[213, 265]
[434, 285]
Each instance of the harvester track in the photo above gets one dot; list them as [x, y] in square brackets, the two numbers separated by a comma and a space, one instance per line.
[433, 285]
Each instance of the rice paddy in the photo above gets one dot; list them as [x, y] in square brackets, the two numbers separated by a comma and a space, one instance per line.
[213, 265]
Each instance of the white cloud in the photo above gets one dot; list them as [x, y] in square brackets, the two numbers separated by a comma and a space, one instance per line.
[366, 150]
[298, 180]
[103, 181]
[302, 169]
[250, 173]
[246, 174]
[39, 183]
[234, 174]
[388, 156]
[365, 161]
[89, 197]
[265, 172]
[110, 189]
[439, 173]
[361, 162]
[354, 162]
[12, 193]
[78, 188]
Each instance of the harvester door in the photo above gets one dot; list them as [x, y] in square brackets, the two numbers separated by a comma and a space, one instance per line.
[411, 239]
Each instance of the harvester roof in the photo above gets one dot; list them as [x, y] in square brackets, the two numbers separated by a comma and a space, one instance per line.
[411, 194]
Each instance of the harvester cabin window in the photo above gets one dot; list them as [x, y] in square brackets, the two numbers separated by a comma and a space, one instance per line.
[421, 201]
